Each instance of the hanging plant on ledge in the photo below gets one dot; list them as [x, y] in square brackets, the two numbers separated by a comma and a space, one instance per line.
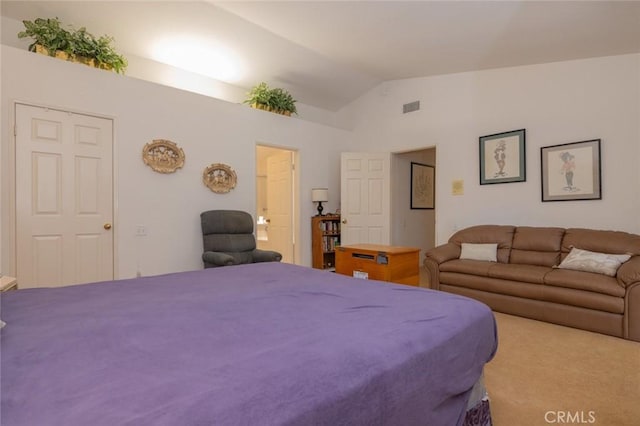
[275, 100]
[50, 38]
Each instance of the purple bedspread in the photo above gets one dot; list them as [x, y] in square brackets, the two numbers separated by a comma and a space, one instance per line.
[260, 344]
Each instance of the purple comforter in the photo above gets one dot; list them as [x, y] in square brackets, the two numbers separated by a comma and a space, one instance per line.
[260, 344]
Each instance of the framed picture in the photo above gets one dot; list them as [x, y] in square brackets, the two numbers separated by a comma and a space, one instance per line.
[422, 186]
[502, 157]
[571, 171]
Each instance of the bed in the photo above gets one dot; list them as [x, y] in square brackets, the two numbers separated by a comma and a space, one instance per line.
[257, 344]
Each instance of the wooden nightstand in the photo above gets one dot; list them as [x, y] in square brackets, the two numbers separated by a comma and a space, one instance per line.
[8, 283]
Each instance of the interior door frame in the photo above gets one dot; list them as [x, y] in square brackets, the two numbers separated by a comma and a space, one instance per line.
[9, 181]
[295, 201]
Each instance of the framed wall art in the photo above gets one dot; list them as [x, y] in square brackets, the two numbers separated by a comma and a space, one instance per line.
[422, 186]
[219, 178]
[503, 157]
[163, 156]
[571, 171]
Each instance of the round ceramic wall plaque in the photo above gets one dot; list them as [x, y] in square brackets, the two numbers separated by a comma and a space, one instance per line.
[219, 178]
[163, 156]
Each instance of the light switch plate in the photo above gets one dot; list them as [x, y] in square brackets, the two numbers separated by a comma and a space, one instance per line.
[457, 187]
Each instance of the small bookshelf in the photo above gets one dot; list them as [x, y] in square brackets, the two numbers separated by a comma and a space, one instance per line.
[325, 237]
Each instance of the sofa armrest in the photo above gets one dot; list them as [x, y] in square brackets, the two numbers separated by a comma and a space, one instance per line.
[433, 273]
[632, 312]
[434, 257]
[629, 272]
[443, 253]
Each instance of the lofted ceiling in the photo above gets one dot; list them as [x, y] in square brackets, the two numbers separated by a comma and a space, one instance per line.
[328, 53]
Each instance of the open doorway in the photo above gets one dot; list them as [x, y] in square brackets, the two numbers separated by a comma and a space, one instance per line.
[411, 227]
[275, 204]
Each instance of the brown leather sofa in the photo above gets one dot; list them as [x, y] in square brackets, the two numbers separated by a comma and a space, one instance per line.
[524, 281]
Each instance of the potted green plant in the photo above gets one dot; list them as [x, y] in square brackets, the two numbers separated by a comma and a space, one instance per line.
[258, 96]
[46, 33]
[52, 39]
[282, 102]
[275, 100]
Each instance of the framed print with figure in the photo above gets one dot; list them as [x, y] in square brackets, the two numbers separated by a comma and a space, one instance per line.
[571, 171]
[503, 157]
[422, 186]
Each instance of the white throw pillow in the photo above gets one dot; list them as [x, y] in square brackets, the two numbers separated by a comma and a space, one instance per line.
[589, 261]
[2, 323]
[488, 252]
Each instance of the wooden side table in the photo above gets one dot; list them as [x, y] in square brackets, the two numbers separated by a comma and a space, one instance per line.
[380, 262]
[8, 283]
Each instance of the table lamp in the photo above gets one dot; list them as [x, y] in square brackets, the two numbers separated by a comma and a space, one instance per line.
[319, 195]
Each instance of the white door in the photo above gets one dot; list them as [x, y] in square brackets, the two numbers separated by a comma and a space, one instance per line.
[64, 197]
[365, 198]
[280, 203]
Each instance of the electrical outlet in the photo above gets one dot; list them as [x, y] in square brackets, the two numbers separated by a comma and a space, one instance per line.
[141, 231]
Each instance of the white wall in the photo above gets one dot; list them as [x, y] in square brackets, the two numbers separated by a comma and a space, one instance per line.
[557, 103]
[209, 131]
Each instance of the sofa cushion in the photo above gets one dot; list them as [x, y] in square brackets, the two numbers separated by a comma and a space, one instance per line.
[463, 266]
[493, 285]
[584, 299]
[560, 295]
[486, 234]
[590, 261]
[536, 246]
[614, 242]
[527, 273]
[486, 252]
[530, 257]
[587, 281]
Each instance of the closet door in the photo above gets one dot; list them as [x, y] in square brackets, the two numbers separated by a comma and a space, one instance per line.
[64, 197]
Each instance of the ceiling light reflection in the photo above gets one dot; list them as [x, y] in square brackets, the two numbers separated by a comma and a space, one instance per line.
[199, 57]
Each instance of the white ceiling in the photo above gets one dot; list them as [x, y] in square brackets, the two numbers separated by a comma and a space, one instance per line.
[328, 53]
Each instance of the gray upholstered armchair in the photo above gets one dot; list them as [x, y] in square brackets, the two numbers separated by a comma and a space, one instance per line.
[228, 239]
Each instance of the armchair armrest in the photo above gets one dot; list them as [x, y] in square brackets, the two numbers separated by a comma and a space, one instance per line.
[216, 258]
[266, 256]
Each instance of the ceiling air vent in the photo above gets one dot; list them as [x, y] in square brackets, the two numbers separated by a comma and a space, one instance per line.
[410, 107]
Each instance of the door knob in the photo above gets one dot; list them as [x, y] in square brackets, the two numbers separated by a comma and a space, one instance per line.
[344, 221]
[107, 226]
[268, 220]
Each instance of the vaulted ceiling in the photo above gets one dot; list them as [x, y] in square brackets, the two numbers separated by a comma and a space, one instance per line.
[327, 53]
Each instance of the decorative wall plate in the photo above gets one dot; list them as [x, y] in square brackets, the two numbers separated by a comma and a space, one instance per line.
[219, 178]
[163, 156]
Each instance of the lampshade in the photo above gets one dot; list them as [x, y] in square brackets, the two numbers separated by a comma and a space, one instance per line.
[319, 194]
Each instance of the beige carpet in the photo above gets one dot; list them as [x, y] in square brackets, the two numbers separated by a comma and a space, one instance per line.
[577, 376]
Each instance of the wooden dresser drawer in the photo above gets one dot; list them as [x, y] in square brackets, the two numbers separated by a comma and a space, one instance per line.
[379, 262]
